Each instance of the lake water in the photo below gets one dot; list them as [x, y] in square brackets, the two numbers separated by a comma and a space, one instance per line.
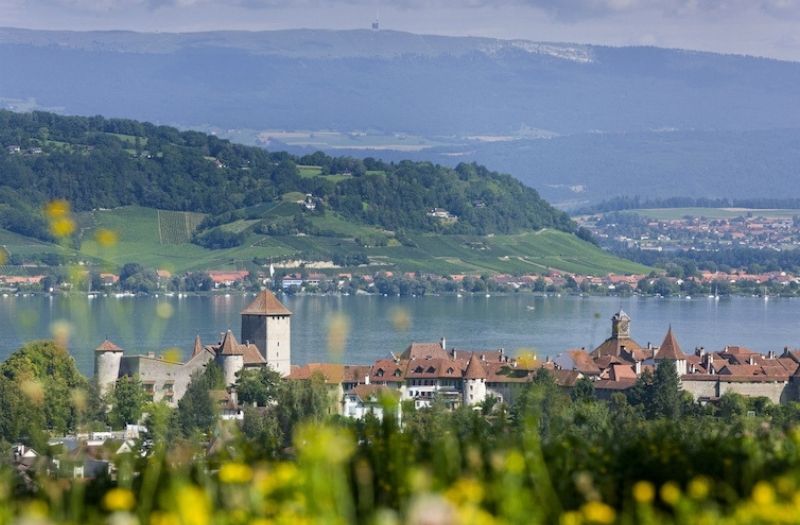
[547, 324]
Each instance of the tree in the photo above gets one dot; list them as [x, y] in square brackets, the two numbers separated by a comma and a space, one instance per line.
[263, 430]
[197, 411]
[258, 387]
[127, 400]
[42, 390]
[665, 396]
[583, 390]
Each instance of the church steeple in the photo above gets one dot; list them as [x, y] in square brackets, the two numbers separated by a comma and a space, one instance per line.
[621, 325]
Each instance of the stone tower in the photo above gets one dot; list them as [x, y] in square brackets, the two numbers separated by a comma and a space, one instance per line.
[474, 384]
[231, 357]
[620, 325]
[107, 360]
[267, 323]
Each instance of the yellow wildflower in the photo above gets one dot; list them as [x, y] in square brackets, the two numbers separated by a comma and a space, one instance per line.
[465, 491]
[763, 493]
[515, 463]
[644, 492]
[670, 493]
[57, 209]
[598, 512]
[235, 473]
[62, 227]
[105, 237]
[401, 320]
[163, 518]
[571, 518]
[193, 505]
[338, 330]
[164, 310]
[699, 488]
[118, 499]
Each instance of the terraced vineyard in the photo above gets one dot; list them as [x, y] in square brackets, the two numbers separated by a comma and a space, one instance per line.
[176, 227]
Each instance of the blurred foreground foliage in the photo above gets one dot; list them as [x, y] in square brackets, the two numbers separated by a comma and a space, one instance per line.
[550, 457]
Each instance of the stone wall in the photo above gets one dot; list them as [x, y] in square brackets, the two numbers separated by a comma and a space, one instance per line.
[777, 391]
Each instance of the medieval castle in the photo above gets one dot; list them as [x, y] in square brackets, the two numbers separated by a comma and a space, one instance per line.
[266, 332]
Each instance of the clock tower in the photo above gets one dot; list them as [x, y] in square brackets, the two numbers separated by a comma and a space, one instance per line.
[621, 325]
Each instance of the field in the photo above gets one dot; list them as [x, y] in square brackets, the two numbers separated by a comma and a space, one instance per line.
[712, 213]
[151, 237]
[160, 239]
[176, 227]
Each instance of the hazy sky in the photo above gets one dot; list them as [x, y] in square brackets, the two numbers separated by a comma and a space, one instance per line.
[755, 27]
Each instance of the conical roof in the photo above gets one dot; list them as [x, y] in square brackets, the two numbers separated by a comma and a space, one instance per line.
[108, 346]
[266, 303]
[475, 369]
[229, 345]
[670, 349]
[198, 346]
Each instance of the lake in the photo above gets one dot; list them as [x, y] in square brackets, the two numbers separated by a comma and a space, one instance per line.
[380, 325]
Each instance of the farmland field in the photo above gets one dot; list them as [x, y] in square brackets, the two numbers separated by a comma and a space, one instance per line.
[176, 227]
[160, 239]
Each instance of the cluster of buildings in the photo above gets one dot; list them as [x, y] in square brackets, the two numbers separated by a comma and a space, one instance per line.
[751, 230]
[428, 372]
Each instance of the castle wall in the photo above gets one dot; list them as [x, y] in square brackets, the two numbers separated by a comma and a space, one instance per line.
[701, 389]
[166, 381]
[777, 392]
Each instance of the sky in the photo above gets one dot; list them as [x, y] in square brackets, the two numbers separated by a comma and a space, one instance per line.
[769, 28]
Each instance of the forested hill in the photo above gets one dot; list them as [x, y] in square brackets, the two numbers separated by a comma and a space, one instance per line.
[106, 163]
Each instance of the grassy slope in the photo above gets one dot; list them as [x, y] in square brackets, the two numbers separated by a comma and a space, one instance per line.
[529, 252]
[141, 240]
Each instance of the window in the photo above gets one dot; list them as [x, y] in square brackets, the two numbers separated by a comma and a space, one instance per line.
[380, 372]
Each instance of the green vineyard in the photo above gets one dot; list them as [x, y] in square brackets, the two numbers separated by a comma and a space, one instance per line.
[176, 227]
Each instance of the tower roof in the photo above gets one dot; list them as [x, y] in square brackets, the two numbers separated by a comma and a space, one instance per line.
[108, 346]
[229, 345]
[266, 303]
[670, 349]
[621, 315]
[198, 346]
[474, 369]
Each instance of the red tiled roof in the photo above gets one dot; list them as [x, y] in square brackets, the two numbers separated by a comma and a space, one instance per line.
[607, 384]
[108, 346]
[425, 351]
[670, 349]
[266, 303]
[229, 345]
[251, 355]
[332, 373]
[619, 372]
[365, 392]
[387, 371]
[198, 346]
[475, 369]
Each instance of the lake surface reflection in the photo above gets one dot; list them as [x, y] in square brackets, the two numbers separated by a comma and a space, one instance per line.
[378, 325]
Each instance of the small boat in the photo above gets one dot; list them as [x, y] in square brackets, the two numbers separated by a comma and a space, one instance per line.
[530, 307]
